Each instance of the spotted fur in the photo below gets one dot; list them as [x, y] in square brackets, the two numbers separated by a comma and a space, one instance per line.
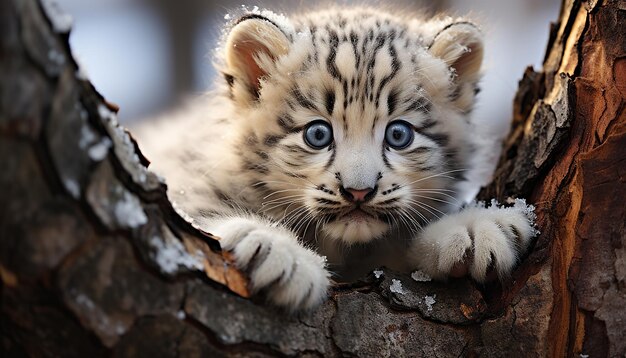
[239, 164]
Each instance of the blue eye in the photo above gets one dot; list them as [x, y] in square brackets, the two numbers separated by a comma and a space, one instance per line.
[399, 134]
[318, 134]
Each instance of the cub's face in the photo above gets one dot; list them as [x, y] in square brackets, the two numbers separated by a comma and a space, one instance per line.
[355, 125]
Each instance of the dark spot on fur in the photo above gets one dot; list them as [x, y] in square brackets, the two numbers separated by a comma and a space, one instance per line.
[271, 140]
[286, 123]
[327, 201]
[255, 167]
[389, 201]
[330, 102]
[421, 104]
[262, 155]
[302, 100]
[392, 100]
[419, 150]
[230, 80]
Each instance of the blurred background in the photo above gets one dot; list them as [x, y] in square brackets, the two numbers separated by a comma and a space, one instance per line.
[146, 55]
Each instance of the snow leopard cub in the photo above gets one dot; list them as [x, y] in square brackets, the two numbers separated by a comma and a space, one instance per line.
[335, 144]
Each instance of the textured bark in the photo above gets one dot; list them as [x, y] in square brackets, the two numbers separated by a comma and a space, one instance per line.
[95, 261]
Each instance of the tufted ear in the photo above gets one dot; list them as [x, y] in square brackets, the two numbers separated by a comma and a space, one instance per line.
[252, 45]
[460, 45]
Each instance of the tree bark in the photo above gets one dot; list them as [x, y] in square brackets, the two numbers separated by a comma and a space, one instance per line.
[94, 260]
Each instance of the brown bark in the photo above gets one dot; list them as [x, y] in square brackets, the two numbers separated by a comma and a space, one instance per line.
[95, 261]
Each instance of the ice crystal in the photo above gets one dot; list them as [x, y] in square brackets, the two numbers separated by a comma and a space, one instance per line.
[129, 212]
[171, 254]
[99, 151]
[396, 287]
[61, 21]
[72, 187]
[420, 276]
[430, 301]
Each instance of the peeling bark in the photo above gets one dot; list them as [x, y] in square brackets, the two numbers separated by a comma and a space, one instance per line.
[95, 261]
[567, 142]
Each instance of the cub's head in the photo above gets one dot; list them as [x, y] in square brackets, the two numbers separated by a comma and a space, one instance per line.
[353, 121]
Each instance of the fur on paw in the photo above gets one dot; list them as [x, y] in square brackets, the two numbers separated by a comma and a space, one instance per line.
[289, 274]
[481, 241]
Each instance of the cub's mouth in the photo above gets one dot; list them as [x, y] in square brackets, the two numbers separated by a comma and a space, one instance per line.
[356, 224]
[358, 214]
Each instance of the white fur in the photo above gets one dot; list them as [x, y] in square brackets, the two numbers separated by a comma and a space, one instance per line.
[294, 275]
[447, 241]
[346, 63]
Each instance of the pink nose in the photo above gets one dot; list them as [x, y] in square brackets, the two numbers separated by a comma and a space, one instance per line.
[357, 195]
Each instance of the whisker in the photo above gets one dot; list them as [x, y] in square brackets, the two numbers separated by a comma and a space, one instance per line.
[442, 174]
[412, 224]
[295, 216]
[419, 214]
[283, 197]
[435, 199]
[298, 190]
[456, 200]
[278, 205]
[417, 202]
[426, 207]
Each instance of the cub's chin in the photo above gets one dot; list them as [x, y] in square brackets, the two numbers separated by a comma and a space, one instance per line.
[356, 227]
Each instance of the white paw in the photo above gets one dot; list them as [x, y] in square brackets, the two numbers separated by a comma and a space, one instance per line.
[291, 275]
[475, 241]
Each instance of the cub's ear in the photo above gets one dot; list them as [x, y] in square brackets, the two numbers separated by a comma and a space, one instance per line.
[252, 46]
[460, 45]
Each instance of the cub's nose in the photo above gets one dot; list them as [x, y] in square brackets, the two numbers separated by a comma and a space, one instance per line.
[358, 195]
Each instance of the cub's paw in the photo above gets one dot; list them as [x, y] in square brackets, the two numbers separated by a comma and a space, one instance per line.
[289, 274]
[480, 241]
